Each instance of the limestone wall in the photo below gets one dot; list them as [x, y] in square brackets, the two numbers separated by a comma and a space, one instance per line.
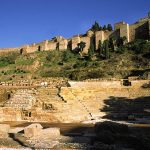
[44, 45]
[52, 45]
[8, 50]
[124, 31]
[103, 35]
[63, 44]
[118, 25]
[99, 36]
[75, 40]
[139, 30]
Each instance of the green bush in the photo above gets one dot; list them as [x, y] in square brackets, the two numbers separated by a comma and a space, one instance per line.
[9, 59]
[24, 61]
[121, 49]
[139, 46]
[68, 56]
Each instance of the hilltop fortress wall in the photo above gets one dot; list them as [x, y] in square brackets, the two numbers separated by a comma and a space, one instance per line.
[138, 30]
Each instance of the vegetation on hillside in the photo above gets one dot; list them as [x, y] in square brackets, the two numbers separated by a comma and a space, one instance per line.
[112, 59]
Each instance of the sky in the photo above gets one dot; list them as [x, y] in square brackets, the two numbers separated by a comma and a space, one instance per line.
[29, 21]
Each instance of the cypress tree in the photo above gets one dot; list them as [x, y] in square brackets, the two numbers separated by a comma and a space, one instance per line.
[109, 27]
[106, 49]
[91, 49]
[104, 27]
[95, 27]
[100, 47]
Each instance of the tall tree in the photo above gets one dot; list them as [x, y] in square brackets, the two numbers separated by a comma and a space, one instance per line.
[100, 47]
[95, 27]
[111, 44]
[91, 49]
[121, 41]
[104, 27]
[109, 27]
[100, 28]
[106, 49]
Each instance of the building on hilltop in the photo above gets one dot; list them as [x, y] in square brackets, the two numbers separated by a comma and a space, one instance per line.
[138, 30]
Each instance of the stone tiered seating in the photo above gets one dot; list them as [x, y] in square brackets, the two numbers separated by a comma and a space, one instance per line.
[22, 99]
[96, 100]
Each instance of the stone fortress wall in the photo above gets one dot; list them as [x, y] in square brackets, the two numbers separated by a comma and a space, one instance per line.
[138, 30]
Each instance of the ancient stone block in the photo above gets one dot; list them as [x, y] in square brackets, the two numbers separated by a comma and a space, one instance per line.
[4, 130]
[51, 133]
[42, 144]
[33, 130]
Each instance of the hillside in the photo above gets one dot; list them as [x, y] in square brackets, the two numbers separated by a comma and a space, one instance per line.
[131, 59]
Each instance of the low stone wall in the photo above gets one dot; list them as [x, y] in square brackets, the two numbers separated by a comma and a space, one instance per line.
[7, 50]
[107, 84]
[139, 83]
[102, 84]
[49, 82]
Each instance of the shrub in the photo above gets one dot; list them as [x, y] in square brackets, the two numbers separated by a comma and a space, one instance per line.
[24, 61]
[9, 59]
[121, 49]
[68, 55]
[139, 46]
